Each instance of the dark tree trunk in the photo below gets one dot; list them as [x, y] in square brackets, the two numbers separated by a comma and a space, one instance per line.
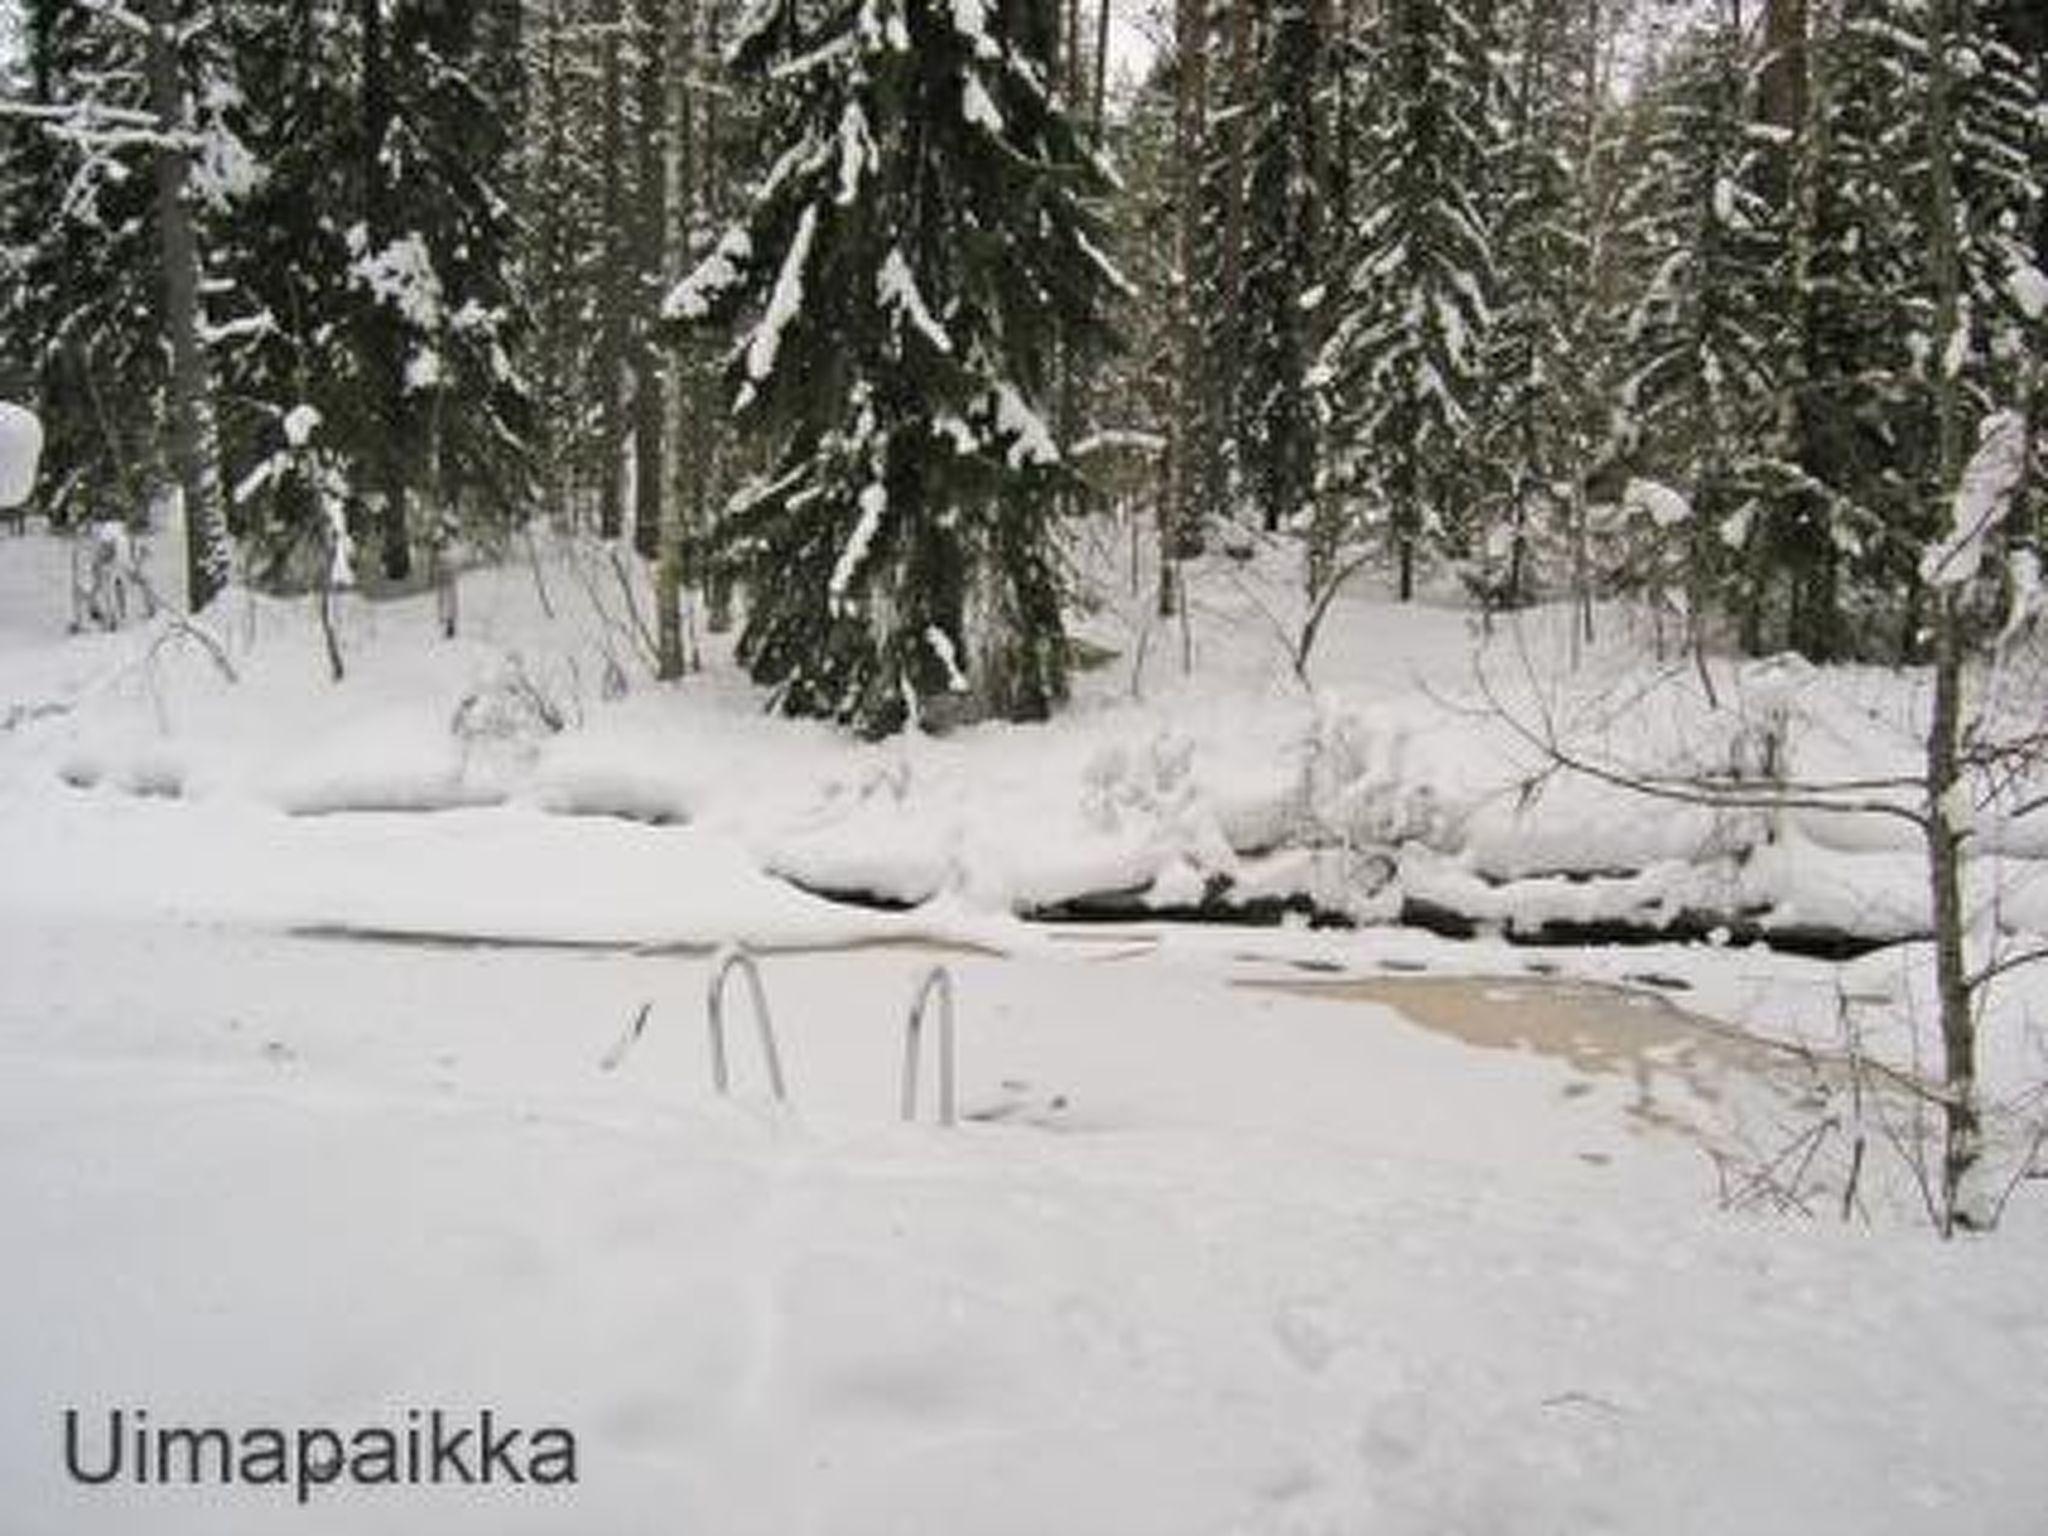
[1801, 543]
[650, 473]
[1073, 58]
[554, 351]
[192, 450]
[1180, 509]
[678, 179]
[1224, 462]
[611, 361]
[383, 365]
[1101, 69]
[708, 449]
[1784, 83]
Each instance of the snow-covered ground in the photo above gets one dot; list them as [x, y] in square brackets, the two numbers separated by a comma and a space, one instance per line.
[313, 1108]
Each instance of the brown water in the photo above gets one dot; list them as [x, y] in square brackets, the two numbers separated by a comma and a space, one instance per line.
[1682, 1070]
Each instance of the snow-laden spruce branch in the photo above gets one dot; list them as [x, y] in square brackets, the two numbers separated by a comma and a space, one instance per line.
[85, 114]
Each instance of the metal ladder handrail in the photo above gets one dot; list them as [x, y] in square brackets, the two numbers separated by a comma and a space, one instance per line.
[938, 979]
[738, 956]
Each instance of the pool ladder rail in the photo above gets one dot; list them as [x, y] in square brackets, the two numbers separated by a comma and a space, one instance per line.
[936, 982]
[737, 957]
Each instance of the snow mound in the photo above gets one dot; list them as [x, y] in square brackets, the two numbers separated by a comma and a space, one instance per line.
[586, 777]
[21, 447]
[377, 763]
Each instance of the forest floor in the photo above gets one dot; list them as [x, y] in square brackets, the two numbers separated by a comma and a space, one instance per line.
[320, 1098]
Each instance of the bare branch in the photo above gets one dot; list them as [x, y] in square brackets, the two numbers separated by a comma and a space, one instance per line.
[1707, 791]
[2004, 966]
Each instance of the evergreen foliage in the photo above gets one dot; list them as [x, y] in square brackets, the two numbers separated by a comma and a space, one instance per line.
[1283, 264]
[1702, 337]
[430, 269]
[283, 255]
[1405, 364]
[80, 221]
[920, 248]
[1544, 412]
[1418, 282]
[1863, 367]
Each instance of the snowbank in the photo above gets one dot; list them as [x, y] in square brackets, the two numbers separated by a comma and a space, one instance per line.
[1403, 782]
[1281, 1265]
[1245, 1261]
[21, 446]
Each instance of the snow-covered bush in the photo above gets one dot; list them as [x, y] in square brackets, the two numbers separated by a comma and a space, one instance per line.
[513, 710]
[1356, 790]
[21, 448]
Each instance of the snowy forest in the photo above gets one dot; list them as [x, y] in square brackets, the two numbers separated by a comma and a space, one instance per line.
[1534, 299]
[1146, 767]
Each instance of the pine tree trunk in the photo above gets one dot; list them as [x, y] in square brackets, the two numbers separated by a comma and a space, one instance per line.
[192, 447]
[679, 148]
[1228, 305]
[1598, 290]
[1073, 58]
[650, 477]
[1801, 547]
[1101, 111]
[1323, 230]
[384, 367]
[1784, 81]
[611, 359]
[554, 360]
[1181, 514]
[1407, 521]
[709, 446]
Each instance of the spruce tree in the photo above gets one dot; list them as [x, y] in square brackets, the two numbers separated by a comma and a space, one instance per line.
[126, 164]
[1542, 418]
[1283, 263]
[2001, 174]
[80, 307]
[1871, 360]
[1406, 360]
[438, 316]
[282, 261]
[561, 250]
[1861, 424]
[1703, 338]
[920, 249]
[1225, 100]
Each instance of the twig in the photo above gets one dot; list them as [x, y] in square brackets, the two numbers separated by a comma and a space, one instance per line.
[628, 1040]
[650, 650]
[176, 625]
[1701, 791]
[2020, 1172]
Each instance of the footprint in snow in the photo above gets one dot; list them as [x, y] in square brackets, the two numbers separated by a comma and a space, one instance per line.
[1304, 1335]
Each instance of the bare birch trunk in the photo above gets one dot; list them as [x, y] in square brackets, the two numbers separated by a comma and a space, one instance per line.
[612, 283]
[1962, 1129]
